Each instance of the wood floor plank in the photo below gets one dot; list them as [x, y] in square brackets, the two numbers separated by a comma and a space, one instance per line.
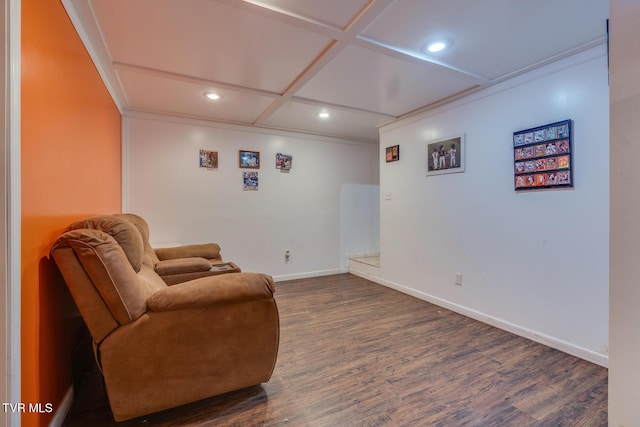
[354, 353]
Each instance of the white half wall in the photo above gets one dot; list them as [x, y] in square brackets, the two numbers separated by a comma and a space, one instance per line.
[535, 263]
[322, 209]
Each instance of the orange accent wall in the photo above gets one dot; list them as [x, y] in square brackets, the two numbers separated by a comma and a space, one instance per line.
[71, 168]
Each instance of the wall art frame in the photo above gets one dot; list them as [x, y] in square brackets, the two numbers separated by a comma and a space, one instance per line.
[542, 157]
[249, 159]
[284, 161]
[208, 159]
[445, 155]
[250, 181]
[393, 153]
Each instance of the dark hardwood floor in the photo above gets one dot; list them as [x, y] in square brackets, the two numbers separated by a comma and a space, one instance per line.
[354, 353]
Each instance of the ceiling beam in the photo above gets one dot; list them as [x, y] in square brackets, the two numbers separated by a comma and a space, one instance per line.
[191, 79]
[341, 38]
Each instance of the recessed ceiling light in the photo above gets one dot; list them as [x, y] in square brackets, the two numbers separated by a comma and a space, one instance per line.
[324, 115]
[212, 96]
[437, 46]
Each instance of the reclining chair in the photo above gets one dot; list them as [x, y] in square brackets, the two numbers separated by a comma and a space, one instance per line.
[161, 346]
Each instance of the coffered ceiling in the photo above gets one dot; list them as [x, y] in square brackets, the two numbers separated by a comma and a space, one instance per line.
[278, 63]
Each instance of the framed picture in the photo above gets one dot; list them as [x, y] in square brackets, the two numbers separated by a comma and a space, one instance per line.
[445, 155]
[250, 181]
[393, 153]
[208, 159]
[283, 161]
[542, 157]
[249, 159]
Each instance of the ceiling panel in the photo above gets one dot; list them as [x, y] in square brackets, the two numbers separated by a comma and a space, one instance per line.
[207, 39]
[491, 38]
[335, 13]
[154, 93]
[365, 79]
[304, 117]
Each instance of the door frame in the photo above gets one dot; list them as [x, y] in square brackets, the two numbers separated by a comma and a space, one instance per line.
[10, 231]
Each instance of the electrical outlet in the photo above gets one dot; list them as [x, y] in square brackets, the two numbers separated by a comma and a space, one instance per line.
[287, 257]
[458, 280]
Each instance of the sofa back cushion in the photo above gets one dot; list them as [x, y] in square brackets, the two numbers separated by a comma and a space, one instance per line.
[149, 258]
[124, 232]
[102, 266]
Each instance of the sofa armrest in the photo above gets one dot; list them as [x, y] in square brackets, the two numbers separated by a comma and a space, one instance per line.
[182, 265]
[205, 250]
[213, 290]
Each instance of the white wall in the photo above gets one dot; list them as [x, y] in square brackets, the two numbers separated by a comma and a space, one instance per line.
[535, 263]
[324, 207]
[624, 372]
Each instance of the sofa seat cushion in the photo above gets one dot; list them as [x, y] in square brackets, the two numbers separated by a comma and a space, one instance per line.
[182, 265]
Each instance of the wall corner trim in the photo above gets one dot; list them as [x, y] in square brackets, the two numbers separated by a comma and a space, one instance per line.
[11, 288]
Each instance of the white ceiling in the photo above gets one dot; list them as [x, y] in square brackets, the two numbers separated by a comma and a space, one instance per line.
[277, 63]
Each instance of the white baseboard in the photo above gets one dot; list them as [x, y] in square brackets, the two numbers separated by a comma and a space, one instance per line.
[63, 409]
[361, 254]
[572, 349]
[364, 269]
[286, 277]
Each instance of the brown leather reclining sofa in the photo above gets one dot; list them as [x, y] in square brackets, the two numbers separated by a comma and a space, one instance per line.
[160, 346]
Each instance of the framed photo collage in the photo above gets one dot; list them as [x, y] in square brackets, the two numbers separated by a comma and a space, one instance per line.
[246, 160]
[542, 157]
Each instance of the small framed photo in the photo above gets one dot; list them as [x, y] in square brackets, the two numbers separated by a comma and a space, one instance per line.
[283, 161]
[208, 159]
[393, 153]
[445, 155]
[250, 181]
[249, 159]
